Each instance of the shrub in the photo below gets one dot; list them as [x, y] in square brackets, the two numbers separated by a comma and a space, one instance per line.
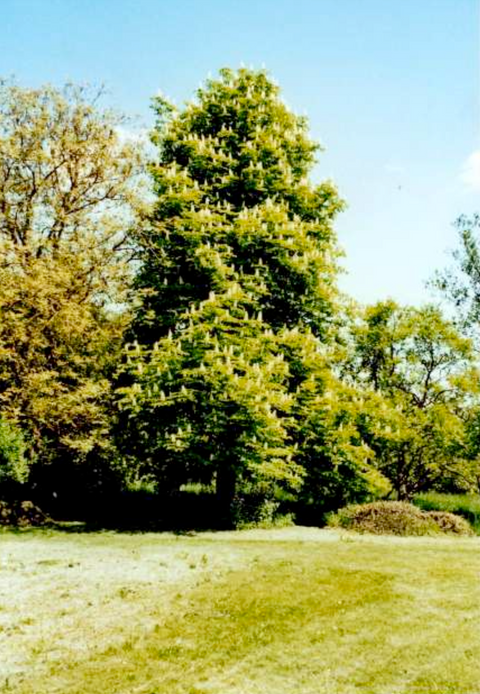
[277, 520]
[465, 505]
[13, 461]
[21, 514]
[450, 523]
[257, 506]
[397, 518]
[252, 508]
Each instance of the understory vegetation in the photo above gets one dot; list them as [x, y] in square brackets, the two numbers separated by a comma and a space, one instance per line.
[174, 348]
[465, 505]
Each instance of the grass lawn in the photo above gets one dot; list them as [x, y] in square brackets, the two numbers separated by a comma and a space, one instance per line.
[288, 611]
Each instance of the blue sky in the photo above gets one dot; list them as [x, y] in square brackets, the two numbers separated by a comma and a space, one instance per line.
[391, 88]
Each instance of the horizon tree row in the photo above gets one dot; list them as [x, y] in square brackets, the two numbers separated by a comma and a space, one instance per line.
[201, 337]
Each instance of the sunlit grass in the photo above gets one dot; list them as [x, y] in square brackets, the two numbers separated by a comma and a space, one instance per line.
[292, 611]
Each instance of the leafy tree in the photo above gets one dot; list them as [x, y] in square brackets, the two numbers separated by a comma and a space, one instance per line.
[461, 283]
[423, 376]
[67, 198]
[238, 281]
[340, 467]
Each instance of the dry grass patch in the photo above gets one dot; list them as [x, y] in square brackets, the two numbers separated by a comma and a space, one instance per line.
[398, 518]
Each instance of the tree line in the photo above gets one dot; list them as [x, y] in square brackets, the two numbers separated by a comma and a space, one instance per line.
[170, 318]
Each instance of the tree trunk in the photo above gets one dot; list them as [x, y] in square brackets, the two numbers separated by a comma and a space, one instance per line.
[403, 493]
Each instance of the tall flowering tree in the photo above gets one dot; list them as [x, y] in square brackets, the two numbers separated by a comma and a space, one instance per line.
[238, 290]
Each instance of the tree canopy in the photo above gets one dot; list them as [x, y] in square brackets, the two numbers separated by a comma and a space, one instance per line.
[179, 321]
[238, 273]
[68, 195]
[425, 374]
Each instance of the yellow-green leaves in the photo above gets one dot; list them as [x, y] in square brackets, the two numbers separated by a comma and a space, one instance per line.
[425, 382]
[69, 191]
[239, 268]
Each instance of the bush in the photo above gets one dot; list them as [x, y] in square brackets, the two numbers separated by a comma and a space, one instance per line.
[397, 518]
[450, 523]
[22, 514]
[13, 461]
[256, 505]
[465, 505]
[253, 509]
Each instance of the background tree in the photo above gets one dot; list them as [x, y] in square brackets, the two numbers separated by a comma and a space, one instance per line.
[67, 199]
[460, 284]
[423, 374]
[238, 280]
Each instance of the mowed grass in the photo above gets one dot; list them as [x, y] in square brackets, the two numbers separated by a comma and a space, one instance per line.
[292, 611]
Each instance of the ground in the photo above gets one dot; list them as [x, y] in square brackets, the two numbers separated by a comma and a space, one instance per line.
[288, 611]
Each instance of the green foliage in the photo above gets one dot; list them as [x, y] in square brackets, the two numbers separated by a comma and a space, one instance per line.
[470, 481]
[461, 283]
[235, 206]
[466, 505]
[245, 370]
[14, 465]
[257, 505]
[422, 380]
[237, 278]
[340, 467]
[397, 518]
[67, 198]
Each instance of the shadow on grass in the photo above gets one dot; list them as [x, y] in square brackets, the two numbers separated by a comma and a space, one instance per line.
[182, 513]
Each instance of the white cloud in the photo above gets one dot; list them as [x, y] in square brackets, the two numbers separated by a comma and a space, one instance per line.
[470, 174]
